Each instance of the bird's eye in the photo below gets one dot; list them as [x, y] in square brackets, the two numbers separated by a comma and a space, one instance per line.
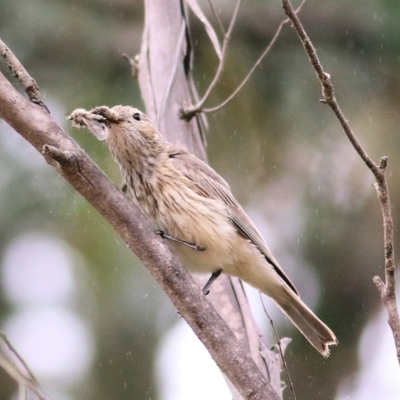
[136, 116]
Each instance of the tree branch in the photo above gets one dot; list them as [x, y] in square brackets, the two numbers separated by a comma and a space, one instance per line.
[37, 127]
[189, 111]
[218, 19]
[19, 71]
[387, 288]
[253, 68]
[155, 69]
[16, 367]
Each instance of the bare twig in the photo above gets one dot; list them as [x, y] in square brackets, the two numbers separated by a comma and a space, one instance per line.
[253, 337]
[189, 112]
[194, 6]
[134, 63]
[279, 345]
[250, 73]
[256, 64]
[220, 24]
[20, 371]
[40, 129]
[192, 110]
[19, 71]
[387, 288]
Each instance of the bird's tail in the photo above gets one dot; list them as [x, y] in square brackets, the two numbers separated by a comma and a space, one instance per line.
[314, 330]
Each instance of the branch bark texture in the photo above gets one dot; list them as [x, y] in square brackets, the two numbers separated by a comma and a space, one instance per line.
[387, 288]
[37, 127]
[164, 79]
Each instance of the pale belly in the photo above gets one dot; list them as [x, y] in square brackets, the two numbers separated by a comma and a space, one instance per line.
[213, 232]
[236, 256]
[208, 226]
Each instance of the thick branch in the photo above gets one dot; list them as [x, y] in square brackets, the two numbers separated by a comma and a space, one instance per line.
[387, 289]
[37, 126]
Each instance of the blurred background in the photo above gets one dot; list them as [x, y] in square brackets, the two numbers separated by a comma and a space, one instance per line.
[82, 310]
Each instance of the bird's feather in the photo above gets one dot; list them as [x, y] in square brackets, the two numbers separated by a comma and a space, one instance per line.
[210, 184]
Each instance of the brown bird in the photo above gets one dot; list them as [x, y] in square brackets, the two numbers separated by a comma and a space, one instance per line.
[192, 206]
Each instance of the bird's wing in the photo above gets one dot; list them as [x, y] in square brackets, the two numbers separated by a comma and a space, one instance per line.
[210, 184]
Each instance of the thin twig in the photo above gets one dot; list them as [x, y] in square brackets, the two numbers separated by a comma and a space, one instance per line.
[327, 87]
[189, 112]
[221, 26]
[197, 107]
[19, 71]
[257, 63]
[20, 359]
[134, 63]
[245, 80]
[278, 343]
[387, 288]
[25, 379]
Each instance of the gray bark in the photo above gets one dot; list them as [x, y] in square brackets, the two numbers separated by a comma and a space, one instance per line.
[61, 152]
[164, 78]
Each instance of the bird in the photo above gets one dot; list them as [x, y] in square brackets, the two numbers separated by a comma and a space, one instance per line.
[192, 207]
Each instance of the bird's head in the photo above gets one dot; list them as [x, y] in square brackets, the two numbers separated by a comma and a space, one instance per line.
[116, 123]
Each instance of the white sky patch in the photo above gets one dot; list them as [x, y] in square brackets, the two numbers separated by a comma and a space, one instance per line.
[55, 343]
[37, 275]
[186, 370]
[379, 374]
[37, 269]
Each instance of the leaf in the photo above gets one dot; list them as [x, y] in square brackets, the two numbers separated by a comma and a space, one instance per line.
[209, 29]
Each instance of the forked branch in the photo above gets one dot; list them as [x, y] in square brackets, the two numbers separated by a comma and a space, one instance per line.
[387, 288]
[19, 71]
[15, 366]
[37, 127]
[190, 111]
